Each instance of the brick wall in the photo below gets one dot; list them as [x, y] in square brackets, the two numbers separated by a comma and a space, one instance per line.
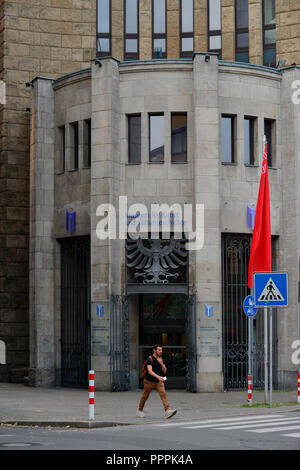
[288, 30]
[38, 37]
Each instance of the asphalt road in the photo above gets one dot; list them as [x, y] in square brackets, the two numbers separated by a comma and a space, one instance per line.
[280, 431]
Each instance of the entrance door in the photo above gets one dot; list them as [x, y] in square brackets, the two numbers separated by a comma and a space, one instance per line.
[75, 311]
[162, 321]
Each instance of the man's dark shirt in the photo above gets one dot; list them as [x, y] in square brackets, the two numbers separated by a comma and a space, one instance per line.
[156, 367]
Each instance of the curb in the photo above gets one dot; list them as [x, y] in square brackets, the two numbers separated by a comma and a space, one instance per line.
[62, 424]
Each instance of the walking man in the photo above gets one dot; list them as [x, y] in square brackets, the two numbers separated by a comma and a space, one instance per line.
[154, 378]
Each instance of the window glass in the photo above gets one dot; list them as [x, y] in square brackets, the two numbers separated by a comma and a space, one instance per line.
[159, 44]
[242, 39]
[214, 43]
[249, 141]
[268, 133]
[242, 14]
[159, 16]
[131, 16]
[179, 137]
[227, 139]
[187, 44]
[134, 139]
[187, 16]
[214, 15]
[131, 45]
[269, 10]
[103, 44]
[103, 16]
[157, 133]
[270, 36]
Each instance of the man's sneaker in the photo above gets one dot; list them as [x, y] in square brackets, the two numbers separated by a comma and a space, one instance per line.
[170, 413]
[140, 414]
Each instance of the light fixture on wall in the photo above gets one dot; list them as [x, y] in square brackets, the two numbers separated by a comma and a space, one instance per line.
[207, 57]
[97, 62]
[29, 85]
[281, 63]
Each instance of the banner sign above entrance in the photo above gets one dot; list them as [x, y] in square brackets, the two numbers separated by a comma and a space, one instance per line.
[270, 289]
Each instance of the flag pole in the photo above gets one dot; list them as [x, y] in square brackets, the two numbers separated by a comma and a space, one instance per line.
[265, 333]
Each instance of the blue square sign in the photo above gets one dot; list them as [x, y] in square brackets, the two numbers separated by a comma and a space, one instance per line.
[270, 289]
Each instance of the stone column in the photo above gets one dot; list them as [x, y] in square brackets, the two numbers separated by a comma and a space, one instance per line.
[105, 187]
[201, 24]
[208, 259]
[42, 244]
[255, 32]
[289, 242]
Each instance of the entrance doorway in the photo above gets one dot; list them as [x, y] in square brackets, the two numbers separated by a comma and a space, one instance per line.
[162, 320]
[75, 311]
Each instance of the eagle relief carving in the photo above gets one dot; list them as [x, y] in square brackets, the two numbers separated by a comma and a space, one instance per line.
[156, 263]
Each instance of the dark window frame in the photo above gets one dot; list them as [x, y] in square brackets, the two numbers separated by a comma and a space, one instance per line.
[267, 27]
[233, 132]
[100, 35]
[159, 35]
[132, 55]
[213, 32]
[190, 34]
[172, 153]
[270, 141]
[62, 148]
[149, 117]
[252, 130]
[240, 31]
[130, 161]
[87, 144]
[75, 144]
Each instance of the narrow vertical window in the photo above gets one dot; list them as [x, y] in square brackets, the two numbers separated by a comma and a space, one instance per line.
[62, 148]
[269, 128]
[87, 141]
[178, 138]
[134, 139]
[131, 27]
[241, 31]
[103, 27]
[269, 32]
[156, 138]
[227, 132]
[187, 27]
[159, 29]
[249, 140]
[214, 26]
[74, 145]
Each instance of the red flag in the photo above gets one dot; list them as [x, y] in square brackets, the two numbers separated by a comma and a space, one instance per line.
[261, 251]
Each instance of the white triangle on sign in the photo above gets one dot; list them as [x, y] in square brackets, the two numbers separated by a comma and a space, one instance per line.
[270, 293]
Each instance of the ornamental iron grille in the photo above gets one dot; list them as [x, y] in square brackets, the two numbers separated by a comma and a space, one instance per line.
[191, 345]
[119, 343]
[75, 311]
[156, 261]
[235, 259]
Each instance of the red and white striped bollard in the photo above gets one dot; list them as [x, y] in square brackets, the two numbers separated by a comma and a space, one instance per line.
[91, 394]
[250, 390]
[298, 388]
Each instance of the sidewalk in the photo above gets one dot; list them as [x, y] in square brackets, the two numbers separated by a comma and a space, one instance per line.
[69, 407]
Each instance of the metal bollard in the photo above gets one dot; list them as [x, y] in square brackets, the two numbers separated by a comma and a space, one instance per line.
[91, 394]
[250, 390]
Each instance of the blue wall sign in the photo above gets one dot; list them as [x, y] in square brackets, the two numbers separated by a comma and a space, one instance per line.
[209, 310]
[100, 310]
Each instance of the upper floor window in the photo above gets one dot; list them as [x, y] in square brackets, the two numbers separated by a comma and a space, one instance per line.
[74, 145]
[87, 143]
[269, 128]
[131, 27]
[157, 137]
[241, 31]
[134, 138]
[214, 26]
[178, 137]
[159, 28]
[186, 28]
[61, 149]
[103, 27]
[269, 32]
[228, 138]
[249, 140]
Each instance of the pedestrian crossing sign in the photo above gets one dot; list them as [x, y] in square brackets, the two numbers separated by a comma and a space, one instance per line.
[270, 289]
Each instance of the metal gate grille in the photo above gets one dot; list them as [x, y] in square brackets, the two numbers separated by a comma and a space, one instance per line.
[191, 345]
[119, 344]
[75, 311]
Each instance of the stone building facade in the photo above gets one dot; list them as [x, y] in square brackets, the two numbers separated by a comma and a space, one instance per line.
[56, 41]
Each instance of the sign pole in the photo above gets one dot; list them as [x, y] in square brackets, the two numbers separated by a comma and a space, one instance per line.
[298, 394]
[266, 352]
[271, 355]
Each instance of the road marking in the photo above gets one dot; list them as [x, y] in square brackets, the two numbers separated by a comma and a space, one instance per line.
[220, 420]
[297, 434]
[265, 423]
[284, 428]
